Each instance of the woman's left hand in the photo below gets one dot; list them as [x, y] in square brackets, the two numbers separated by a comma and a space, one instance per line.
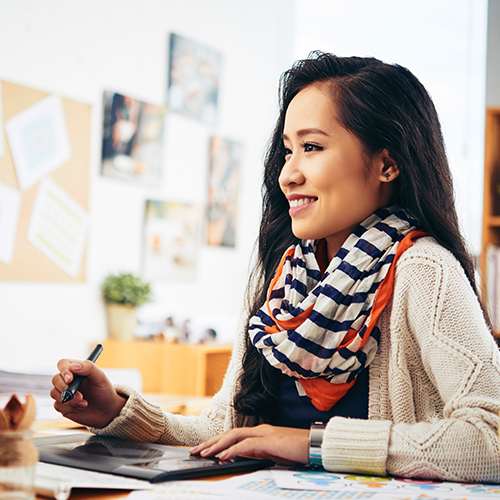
[283, 445]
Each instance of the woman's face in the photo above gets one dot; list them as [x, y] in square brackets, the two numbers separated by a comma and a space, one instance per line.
[330, 182]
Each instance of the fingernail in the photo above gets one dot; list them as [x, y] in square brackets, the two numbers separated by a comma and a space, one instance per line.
[223, 455]
[67, 378]
[76, 367]
[194, 449]
[82, 404]
[204, 453]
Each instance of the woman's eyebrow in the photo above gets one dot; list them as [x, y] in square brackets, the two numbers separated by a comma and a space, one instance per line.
[306, 131]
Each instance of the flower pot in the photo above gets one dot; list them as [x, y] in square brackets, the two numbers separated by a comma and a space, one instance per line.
[121, 321]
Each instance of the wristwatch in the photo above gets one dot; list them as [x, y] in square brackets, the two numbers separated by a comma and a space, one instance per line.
[315, 441]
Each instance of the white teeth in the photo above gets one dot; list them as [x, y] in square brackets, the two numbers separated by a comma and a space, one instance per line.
[300, 202]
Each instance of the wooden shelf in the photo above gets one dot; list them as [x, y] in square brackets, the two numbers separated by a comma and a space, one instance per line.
[491, 199]
[170, 368]
[493, 221]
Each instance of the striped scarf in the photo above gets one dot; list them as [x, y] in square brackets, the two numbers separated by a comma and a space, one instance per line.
[320, 327]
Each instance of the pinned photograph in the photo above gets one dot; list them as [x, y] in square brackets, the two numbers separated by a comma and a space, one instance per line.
[171, 237]
[193, 79]
[132, 142]
[10, 204]
[38, 140]
[58, 227]
[223, 182]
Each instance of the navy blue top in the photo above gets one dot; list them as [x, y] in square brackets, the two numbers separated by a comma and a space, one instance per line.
[299, 412]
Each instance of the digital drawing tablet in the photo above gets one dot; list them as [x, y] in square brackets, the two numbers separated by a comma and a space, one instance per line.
[149, 461]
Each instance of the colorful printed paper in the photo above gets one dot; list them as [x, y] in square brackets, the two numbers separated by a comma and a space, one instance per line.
[386, 487]
[132, 143]
[223, 183]
[171, 237]
[194, 74]
[261, 485]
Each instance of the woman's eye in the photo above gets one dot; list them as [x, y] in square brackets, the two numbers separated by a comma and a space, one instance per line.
[308, 148]
[286, 152]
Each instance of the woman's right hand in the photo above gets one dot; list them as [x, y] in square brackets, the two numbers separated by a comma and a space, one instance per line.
[96, 403]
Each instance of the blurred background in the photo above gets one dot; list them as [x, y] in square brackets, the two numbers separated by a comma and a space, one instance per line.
[79, 51]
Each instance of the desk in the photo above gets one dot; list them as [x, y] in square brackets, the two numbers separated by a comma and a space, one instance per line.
[96, 494]
[170, 368]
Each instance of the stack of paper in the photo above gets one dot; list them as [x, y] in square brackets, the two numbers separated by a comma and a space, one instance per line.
[25, 383]
[39, 384]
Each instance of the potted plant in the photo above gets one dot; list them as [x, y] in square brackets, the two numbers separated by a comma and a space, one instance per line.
[122, 294]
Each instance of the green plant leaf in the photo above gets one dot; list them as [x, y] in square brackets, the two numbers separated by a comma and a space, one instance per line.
[127, 289]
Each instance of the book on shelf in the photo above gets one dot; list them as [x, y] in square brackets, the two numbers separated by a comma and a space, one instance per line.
[492, 279]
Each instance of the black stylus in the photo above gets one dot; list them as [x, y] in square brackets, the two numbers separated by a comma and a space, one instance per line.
[74, 385]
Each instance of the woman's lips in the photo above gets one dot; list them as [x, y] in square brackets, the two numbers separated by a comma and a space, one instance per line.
[299, 205]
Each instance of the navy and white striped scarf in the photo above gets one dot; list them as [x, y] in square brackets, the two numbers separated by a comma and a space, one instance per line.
[316, 326]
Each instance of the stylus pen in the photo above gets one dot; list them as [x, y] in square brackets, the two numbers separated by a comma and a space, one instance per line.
[74, 385]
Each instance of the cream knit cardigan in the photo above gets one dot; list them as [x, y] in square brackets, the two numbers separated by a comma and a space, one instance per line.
[434, 390]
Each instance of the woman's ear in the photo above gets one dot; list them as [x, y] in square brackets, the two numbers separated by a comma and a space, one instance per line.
[387, 167]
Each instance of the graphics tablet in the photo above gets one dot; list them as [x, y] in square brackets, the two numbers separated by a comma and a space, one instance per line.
[152, 462]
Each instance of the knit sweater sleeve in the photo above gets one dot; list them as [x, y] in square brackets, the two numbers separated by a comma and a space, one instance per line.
[143, 420]
[443, 383]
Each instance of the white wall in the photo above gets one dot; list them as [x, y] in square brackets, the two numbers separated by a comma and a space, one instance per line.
[443, 42]
[78, 49]
[493, 67]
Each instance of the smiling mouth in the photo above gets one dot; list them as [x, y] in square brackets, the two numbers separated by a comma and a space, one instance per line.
[301, 201]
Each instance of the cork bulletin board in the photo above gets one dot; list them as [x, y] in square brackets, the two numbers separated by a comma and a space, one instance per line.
[28, 263]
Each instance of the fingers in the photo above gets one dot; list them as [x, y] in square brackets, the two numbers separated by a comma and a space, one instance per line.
[205, 446]
[225, 440]
[281, 444]
[70, 367]
[96, 403]
[249, 447]
[67, 369]
[71, 406]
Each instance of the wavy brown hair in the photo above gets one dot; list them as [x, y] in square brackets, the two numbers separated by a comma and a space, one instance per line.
[385, 107]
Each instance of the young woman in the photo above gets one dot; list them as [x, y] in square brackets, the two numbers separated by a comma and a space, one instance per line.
[363, 311]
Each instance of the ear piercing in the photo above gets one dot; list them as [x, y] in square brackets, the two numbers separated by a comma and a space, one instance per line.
[387, 176]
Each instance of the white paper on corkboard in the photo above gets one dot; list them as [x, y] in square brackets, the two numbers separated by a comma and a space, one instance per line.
[38, 140]
[58, 227]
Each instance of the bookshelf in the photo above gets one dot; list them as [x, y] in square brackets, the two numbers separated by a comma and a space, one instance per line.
[491, 218]
[196, 370]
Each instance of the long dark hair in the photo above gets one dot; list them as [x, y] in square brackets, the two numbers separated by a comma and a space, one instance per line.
[385, 107]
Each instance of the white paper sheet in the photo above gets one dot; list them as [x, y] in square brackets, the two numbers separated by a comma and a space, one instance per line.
[39, 141]
[10, 204]
[56, 481]
[58, 227]
[180, 490]
[2, 140]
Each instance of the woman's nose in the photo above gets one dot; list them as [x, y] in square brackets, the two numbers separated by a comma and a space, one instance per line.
[290, 173]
